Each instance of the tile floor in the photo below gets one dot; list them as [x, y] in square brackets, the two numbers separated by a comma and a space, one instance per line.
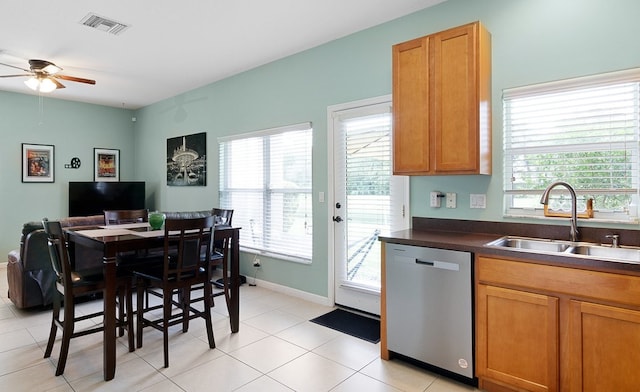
[277, 349]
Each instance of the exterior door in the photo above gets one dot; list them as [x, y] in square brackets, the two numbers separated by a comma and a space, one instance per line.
[367, 199]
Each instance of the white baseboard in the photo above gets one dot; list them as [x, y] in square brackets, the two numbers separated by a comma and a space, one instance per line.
[292, 292]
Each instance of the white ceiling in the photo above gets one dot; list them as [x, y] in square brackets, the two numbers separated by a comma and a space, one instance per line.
[172, 46]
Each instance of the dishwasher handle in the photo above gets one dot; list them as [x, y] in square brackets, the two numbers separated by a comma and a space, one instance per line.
[439, 264]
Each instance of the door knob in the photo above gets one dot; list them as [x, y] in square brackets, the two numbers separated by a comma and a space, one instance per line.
[337, 218]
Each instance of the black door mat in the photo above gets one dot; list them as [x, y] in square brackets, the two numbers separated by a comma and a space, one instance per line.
[353, 324]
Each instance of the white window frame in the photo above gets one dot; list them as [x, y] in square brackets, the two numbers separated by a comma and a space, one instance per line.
[281, 248]
[628, 214]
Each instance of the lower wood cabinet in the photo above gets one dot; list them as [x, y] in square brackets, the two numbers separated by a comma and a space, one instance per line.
[550, 328]
[517, 338]
[605, 348]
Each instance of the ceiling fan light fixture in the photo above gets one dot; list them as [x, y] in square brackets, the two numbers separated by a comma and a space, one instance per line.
[47, 85]
[32, 83]
[44, 85]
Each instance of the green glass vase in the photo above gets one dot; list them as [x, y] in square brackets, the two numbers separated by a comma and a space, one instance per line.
[156, 220]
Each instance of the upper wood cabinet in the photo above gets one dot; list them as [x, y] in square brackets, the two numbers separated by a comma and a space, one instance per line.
[442, 103]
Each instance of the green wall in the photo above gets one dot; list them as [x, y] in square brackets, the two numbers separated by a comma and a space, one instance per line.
[533, 41]
[74, 129]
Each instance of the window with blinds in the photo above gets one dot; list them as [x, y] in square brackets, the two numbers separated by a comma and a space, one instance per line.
[265, 177]
[583, 131]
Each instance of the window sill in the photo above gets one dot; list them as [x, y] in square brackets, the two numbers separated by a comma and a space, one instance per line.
[623, 219]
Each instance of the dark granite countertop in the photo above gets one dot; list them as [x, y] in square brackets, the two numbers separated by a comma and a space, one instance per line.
[472, 236]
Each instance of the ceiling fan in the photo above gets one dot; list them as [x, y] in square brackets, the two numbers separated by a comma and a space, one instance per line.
[43, 76]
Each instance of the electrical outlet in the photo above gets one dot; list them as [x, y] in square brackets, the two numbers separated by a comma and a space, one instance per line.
[451, 200]
[434, 200]
[477, 201]
[256, 263]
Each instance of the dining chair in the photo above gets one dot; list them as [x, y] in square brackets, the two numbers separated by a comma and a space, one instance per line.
[118, 217]
[180, 268]
[223, 216]
[220, 256]
[72, 284]
[128, 259]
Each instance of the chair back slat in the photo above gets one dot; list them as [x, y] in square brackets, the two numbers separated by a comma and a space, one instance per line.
[189, 237]
[118, 217]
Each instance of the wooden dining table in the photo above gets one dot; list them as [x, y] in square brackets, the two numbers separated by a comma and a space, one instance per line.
[122, 238]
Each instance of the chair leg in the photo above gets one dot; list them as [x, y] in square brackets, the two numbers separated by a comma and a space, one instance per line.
[54, 327]
[185, 303]
[206, 313]
[167, 303]
[129, 316]
[121, 312]
[226, 281]
[140, 311]
[67, 332]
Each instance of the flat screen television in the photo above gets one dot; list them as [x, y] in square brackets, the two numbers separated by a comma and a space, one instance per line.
[92, 198]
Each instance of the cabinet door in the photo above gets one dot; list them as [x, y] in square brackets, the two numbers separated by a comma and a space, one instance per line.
[517, 338]
[455, 99]
[605, 348]
[411, 144]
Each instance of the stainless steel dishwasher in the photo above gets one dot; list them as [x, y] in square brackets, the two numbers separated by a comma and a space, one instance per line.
[429, 307]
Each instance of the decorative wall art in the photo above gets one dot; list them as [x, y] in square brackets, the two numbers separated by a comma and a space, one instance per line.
[106, 166]
[37, 162]
[73, 164]
[187, 160]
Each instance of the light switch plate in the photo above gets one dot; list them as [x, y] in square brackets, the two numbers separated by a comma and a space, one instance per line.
[451, 200]
[434, 200]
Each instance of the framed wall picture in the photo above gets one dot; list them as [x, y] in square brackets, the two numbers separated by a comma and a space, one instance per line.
[37, 162]
[187, 160]
[106, 164]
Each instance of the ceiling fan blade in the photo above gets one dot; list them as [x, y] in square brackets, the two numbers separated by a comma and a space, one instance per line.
[74, 79]
[58, 84]
[13, 76]
[13, 66]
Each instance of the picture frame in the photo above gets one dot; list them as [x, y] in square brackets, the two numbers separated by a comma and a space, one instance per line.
[106, 165]
[187, 160]
[38, 162]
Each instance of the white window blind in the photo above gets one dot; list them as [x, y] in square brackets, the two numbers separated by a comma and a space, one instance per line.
[583, 131]
[265, 177]
[365, 151]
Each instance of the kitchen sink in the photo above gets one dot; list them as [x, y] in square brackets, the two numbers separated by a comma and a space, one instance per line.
[629, 255]
[530, 244]
[624, 254]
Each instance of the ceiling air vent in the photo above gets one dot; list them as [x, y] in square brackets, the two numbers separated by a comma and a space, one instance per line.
[103, 24]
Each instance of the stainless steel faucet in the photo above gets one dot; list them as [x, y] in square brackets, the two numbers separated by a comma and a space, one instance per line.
[574, 210]
[615, 240]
